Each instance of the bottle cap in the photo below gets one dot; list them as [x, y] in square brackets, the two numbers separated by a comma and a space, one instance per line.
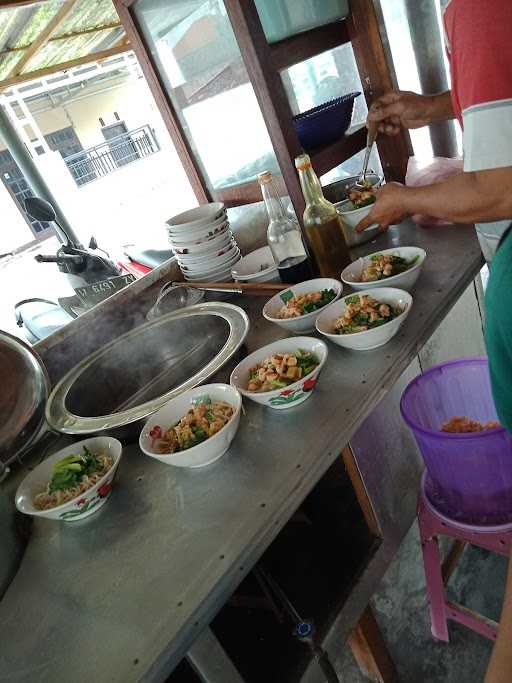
[303, 161]
[264, 177]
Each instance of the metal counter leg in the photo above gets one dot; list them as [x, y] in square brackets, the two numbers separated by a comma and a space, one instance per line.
[210, 662]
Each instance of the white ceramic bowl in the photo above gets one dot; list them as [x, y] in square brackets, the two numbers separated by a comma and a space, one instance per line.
[406, 280]
[370, 339]
[81, 506]
[306, 323]
[195, 218]
[171, 413]
[295, 393]
[352, 217]
[219, 263]
[207, 259]
[258, 266]
[180, 232]
[218, 242]
[200, 238]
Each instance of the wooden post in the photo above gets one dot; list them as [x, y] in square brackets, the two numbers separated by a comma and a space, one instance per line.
[370, 651]
[377, 77]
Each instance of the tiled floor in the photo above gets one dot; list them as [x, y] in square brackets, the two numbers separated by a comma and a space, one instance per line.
[401, 609]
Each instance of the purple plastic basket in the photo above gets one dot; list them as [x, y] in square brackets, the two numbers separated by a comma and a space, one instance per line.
[326, 123]
[469, 475]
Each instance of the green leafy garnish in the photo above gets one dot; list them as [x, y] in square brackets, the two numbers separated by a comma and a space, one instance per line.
[286, 296]
[354, 299]
[69, 471]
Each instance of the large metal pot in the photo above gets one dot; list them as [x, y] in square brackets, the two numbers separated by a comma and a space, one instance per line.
[25, 388]
[115, 388]
[336, 192]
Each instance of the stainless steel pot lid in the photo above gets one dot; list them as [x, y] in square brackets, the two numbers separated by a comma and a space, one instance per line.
[134, 375]
[25, 389]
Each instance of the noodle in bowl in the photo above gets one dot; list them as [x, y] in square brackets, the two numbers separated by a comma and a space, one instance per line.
[75, 502]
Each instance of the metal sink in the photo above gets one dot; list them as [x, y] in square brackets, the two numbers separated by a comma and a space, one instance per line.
[133, 376]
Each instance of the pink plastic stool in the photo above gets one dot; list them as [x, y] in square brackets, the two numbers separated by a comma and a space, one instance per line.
[433, 523]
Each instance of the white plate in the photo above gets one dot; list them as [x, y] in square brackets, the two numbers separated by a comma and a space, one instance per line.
[406, 280]
[209, 230]
[216, 268]
[369, 339]
[306, 323]
[292, 395]
[171, 413]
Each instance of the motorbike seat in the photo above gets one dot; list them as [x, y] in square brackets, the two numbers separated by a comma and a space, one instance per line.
[152, 258]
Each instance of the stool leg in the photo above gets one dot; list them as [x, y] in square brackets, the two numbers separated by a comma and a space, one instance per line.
[434, 580]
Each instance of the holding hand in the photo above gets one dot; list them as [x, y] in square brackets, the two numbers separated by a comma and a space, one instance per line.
[388, 209]
[399, 109]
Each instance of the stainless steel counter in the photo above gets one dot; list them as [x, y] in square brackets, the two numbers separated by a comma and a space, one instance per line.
[122, 595]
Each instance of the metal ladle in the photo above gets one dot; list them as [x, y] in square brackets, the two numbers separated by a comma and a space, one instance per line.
[370, 139]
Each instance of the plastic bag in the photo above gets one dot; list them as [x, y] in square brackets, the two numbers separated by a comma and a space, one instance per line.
[427, 171]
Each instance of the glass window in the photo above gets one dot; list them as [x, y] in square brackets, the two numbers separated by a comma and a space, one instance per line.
[200, 63]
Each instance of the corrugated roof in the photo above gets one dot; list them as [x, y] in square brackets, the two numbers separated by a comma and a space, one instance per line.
[50, 33]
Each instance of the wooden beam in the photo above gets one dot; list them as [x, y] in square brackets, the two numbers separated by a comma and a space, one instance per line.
[360, 491]
[66, 36]
[14, 4]
[270, 93]
[305, 45]
[370, 651]
[63, 66]
[377, 76]
[247, 193]
[327, 158]
[452, 559]
[43, 37]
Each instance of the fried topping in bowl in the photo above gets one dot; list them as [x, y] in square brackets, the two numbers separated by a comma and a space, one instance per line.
[280, 370]
[204, 419]
[465, 425]
[364, 313]
[295, 306]
[382, 266]
[362, 197]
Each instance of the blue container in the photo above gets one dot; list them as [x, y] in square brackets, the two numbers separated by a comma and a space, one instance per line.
[326, 123]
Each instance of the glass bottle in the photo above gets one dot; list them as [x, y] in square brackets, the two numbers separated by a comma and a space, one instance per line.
[284, 236]
[322, 223]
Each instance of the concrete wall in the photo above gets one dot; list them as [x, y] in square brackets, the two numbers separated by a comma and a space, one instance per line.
[130, 99]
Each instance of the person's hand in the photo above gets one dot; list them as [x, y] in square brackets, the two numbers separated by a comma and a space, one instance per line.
[388, 209]
[399, 109]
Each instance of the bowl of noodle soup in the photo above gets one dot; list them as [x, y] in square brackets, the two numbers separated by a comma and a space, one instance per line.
[87, 494]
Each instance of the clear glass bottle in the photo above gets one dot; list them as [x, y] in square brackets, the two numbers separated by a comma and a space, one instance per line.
[322, 223]
[284, 236]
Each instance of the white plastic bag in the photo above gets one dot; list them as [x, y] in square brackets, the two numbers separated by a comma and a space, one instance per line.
[422, 172]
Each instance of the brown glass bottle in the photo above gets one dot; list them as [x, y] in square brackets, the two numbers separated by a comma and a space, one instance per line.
[322, 223]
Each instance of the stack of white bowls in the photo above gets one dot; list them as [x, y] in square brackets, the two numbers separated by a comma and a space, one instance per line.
[203, 243]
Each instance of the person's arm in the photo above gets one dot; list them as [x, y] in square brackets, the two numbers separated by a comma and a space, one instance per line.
[500, 666]
[479, 196]
[397, 109]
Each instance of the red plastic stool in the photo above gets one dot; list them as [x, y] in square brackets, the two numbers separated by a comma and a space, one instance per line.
[433, 523]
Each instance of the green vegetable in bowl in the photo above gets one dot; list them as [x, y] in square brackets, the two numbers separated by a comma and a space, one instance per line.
[69, 471]
[295, 306]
